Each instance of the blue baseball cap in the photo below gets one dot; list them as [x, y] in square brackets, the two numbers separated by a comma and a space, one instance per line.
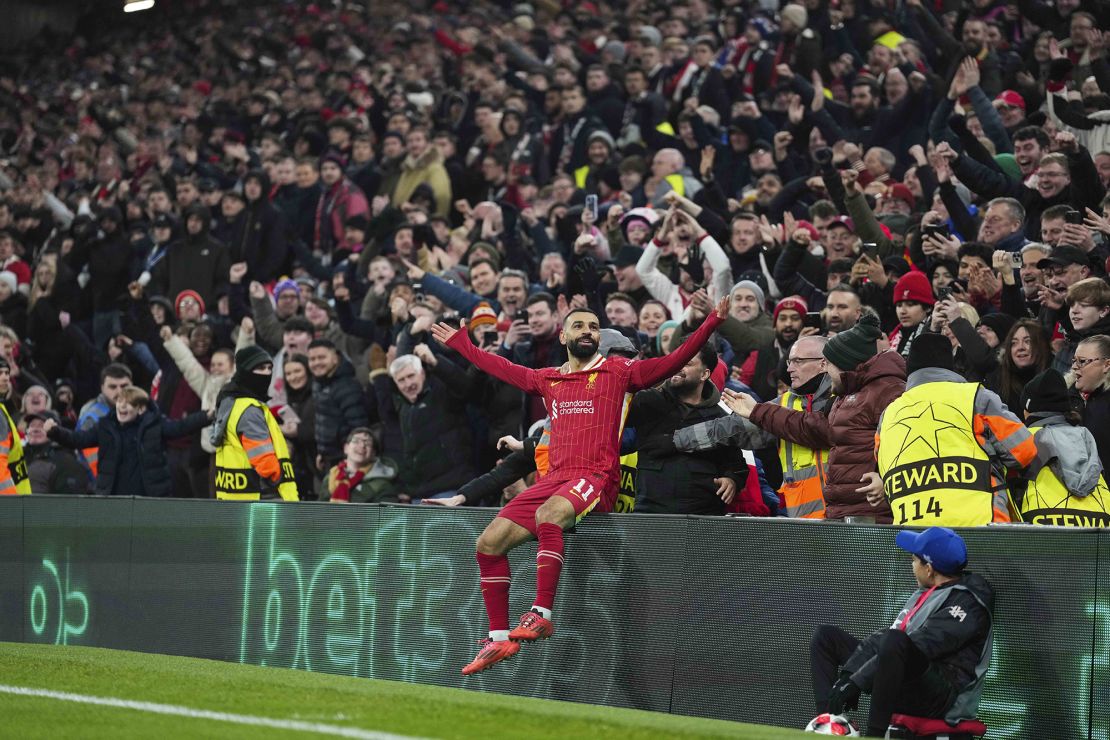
[940, 547]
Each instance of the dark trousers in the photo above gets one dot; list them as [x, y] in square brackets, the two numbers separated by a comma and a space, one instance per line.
[905, 680]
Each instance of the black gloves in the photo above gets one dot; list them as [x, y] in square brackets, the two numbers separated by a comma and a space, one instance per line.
[844, 696]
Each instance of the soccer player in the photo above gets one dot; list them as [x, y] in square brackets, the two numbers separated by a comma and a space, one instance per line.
[586, 402]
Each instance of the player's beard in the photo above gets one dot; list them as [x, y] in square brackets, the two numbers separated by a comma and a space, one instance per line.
[580, 350]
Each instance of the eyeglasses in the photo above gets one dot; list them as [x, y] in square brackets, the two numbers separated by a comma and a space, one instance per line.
[800, 360]
[1080, 363]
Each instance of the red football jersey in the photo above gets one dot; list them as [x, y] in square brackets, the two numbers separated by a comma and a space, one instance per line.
[587, 407]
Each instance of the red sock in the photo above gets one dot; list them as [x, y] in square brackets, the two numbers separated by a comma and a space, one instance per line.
[549, 563]
[495, 580]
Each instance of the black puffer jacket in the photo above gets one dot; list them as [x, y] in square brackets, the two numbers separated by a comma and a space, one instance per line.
[680, 483]
[340, 408]
[154, 430]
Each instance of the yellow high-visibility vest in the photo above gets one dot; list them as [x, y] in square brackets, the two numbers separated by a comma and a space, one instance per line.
[236, 479]
[803, 471]
[20, 484]
[934, 471]
[1047, 501]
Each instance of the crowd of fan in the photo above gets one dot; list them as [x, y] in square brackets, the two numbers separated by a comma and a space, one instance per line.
[328, 181]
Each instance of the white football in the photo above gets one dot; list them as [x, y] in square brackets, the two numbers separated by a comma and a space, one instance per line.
[832, 724]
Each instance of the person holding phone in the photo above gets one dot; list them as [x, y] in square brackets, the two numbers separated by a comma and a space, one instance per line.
[913, 304]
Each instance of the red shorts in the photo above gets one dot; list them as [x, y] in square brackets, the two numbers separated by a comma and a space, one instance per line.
[583, 492]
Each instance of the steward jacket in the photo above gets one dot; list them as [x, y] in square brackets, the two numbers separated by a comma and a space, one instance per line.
[951, 625]
[680, 483]
[108, 435]
[847, 430]
[1065, 482]
[943, 450]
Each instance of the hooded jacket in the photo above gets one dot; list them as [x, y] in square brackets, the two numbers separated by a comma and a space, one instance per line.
[1069, 451]
[847, 431]
[427, 168]
[258, 235]
[194, 262]
[952, 628]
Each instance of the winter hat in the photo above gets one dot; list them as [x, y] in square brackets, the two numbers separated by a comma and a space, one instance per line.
[482, 315]
[849, 349]
[765, 27]
[999, 322]
[1047, 391]
[930, 350]
[753, 287]
[602, 135]
[613, 341]
[359, 222]
[650, 35]
[914, 286]
[187, 294]
[659, 335]
[1011, 98]
[898, 191]
[796, 14]
[248, 358]
[333, 156]
[284, 285]
[1008, 164]
[791, 303]
[9, 277]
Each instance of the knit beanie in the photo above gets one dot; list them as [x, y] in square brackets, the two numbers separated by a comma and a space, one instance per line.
[999, 322]
[9, 277]
[796, 14]
[753, 287]
[187, 294]
[914, 286]
[1046, 392]
[930, 350]
[250, 357]
[483, 315]
[659, 335]
[284, 285]
[791, 303]
[849, 349]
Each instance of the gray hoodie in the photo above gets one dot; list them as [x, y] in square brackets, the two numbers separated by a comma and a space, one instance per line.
[1069, 451]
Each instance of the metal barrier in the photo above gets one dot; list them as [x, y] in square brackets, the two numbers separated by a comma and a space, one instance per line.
[690, 615]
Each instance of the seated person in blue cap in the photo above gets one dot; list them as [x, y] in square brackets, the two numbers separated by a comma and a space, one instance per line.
[931, 662]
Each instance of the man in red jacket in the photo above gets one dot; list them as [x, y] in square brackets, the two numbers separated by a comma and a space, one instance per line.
[865, 383]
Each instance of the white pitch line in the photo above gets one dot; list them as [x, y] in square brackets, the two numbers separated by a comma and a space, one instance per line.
[179, 711]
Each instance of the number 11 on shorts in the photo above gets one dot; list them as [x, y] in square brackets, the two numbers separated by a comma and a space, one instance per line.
[578, 489]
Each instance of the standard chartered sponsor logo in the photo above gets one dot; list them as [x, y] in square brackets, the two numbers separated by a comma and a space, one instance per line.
[571, 407]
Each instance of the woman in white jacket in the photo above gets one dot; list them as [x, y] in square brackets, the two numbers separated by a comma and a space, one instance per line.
[206, 383]
[680, 225]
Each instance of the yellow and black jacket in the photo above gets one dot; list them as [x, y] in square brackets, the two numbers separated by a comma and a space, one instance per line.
[943, 449]
[1066, 487]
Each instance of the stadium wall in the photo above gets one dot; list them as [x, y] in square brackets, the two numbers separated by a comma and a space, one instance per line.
[690, 615]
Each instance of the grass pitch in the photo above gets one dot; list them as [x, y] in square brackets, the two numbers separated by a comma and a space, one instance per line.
[287, 695]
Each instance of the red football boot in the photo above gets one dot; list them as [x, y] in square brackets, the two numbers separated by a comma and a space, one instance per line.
[491, 652]
[532, 627]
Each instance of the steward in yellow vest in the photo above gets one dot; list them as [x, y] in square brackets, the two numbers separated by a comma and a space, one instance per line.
[1066, 487]
[13, 468]
[943, 447]
[252, 458]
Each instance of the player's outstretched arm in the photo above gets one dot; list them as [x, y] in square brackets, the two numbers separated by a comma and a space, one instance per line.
[522, 377]
[646, 373]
